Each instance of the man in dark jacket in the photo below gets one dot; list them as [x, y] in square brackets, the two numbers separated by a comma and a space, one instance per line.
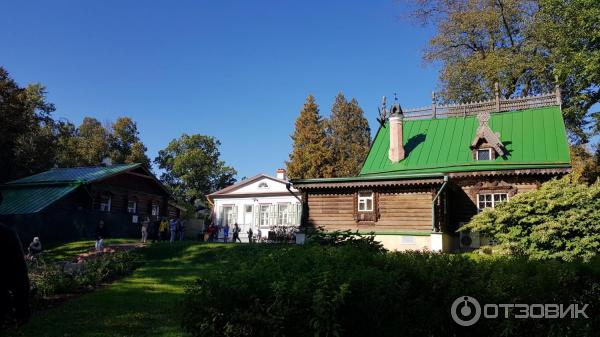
[14, 282]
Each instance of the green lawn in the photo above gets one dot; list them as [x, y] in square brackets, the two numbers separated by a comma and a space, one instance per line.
[143, 304]
[69, 250]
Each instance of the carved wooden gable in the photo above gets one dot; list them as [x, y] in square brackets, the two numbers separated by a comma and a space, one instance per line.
[484, 134]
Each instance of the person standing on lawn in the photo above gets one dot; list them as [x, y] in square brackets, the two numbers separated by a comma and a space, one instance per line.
[14, 283]
[173, 229]
[145, 225]
[250, 233]
[226, 233]
[162, 229]
[236, 233]
[101, 234]
[181, 229]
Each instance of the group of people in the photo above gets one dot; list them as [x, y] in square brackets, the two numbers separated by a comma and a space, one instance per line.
[166, 229]
[212, 233]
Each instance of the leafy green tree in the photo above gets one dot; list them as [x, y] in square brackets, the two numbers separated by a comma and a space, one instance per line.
[92, 142]
[522, 45]
[193, 168]
[26, 129]
[124, 143]
[311, 155]
[350, 136]
[560, 220]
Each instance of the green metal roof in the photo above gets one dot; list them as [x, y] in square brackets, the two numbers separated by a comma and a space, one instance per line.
[533, 138]
[30, 199]
[74, 174]
[34, 193]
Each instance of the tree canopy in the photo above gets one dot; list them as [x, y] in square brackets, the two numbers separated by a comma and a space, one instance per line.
[192, 167]
[350, 136]
[311, 156]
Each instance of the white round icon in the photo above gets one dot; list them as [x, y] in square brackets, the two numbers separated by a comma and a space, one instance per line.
[465, 311]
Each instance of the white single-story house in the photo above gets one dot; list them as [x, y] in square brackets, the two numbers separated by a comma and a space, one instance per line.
[261, 202]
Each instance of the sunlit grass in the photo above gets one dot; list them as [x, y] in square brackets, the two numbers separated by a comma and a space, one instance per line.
[143, 304]
[69, 250]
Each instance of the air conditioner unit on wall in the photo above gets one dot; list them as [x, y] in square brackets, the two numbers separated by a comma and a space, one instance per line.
[469, 240]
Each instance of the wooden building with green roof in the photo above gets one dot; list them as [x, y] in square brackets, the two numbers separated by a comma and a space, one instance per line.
[65, 204]
[429, 170]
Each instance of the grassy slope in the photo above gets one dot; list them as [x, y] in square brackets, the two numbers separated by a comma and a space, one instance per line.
[144, 304]
[69, 250]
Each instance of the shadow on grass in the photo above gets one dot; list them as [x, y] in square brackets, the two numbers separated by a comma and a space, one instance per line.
[143, 304]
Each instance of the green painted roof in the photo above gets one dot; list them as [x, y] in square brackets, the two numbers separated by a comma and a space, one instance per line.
[533, 138]
[29, 199]
[74, 174]
[34, 193]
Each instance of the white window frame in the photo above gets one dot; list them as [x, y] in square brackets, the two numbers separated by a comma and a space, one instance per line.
[105, 205]
[263, 214]
[363, 200]
[133, 209]
[492, 202]
[155, 209]
[283, 217]
[489, 150]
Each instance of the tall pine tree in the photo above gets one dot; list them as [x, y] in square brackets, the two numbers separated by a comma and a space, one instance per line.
[350, 136]
[310, 157]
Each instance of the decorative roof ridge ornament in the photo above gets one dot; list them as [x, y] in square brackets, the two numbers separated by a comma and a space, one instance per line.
[383, 112]
[485, 132]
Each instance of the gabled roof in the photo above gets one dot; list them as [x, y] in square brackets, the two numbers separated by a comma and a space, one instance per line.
[75, 174]
[532, 138]
[34, 193]
[246, 182]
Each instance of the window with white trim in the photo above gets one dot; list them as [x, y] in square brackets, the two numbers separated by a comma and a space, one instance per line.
[264, 215]
[105, 202]
[490, 200]
[484, 154]
[365, 201]
[155, 209]
[283, 214]
[132, 206]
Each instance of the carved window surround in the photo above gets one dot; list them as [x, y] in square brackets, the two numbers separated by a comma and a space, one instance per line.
[366, 217]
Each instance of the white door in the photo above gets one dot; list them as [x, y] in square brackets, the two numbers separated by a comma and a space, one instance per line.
[248, 217]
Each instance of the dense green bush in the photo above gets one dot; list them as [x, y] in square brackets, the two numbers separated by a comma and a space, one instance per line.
[559, 220]
[350, 290]
[50, 278]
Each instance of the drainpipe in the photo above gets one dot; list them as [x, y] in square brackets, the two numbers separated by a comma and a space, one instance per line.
[434, 201]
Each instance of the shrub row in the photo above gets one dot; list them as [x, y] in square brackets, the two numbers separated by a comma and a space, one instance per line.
[49, 278]
[354, 290]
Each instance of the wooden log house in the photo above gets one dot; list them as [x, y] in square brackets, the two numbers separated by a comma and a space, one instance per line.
[429, 170]
[67, 203]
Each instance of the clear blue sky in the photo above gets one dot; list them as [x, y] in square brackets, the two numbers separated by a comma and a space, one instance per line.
[236, 70]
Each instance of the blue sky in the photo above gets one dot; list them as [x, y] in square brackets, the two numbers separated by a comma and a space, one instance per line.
[236, 70]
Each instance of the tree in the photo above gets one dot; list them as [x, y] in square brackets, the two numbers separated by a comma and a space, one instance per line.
[193, 168]
[124, 143]
[26, 129]
[350, 136]
[310, 157]
[559, 220]
[92, 142]
[586, 166]
[522, 45]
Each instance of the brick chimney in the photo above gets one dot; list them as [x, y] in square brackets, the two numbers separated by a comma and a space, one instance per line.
[396, 153]
[281, 174]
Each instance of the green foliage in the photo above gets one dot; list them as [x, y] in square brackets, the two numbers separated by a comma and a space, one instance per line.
[27, 129]
[560, 220]
[344, 238]
[353, 291]
[193, 168]
[50, 278]
[350, 136]
[522, 45]
[311, 155]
